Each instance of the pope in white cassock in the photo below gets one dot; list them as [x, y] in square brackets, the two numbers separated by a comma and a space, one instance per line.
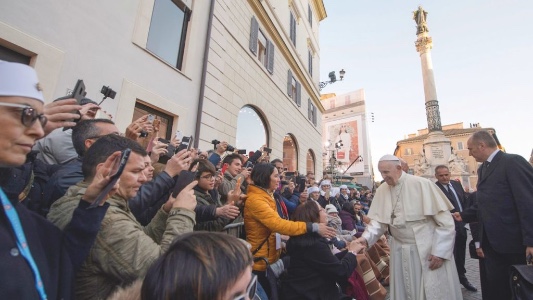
[417, 213]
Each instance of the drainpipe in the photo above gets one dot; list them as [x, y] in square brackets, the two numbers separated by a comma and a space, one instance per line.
[204, 75]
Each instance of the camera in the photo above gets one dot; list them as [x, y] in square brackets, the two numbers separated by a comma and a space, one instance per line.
[216, 142]
[108, 92]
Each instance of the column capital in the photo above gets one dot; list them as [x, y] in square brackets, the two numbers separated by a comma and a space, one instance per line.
[423, 44]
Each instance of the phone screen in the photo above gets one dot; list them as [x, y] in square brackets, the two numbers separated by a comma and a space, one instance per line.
[116, 171]
[184, 179]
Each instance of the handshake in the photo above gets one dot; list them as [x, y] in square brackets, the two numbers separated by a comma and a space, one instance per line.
[358, 245]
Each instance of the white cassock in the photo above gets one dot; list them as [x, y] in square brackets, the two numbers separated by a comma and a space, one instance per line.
[418, 215]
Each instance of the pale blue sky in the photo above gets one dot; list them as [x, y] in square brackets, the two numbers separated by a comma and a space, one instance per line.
[482, 58]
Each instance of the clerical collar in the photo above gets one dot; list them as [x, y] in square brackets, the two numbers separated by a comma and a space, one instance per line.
[491, 157]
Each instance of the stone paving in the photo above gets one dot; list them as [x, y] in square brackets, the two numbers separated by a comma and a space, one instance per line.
[472, 273]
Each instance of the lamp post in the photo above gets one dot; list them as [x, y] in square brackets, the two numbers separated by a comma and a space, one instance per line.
[332, 78]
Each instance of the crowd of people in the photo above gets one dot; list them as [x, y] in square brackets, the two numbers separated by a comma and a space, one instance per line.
[89, 212]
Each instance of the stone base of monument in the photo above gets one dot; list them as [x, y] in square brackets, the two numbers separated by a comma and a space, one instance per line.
[437, 150]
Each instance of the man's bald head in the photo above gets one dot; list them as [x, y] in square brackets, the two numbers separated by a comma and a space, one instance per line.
[405, 166]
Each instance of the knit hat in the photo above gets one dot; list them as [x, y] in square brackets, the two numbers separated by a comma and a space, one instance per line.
[344, 186]
[325, 182]
[330, 208]
[313, 189]
[19, 80]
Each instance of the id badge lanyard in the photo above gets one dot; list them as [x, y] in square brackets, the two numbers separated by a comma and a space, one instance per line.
[22, 245]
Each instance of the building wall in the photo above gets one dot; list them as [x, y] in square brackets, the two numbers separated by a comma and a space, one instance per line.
[410, 150]
[101, 42]
[236, 78]
[341, 109]
[104, 43]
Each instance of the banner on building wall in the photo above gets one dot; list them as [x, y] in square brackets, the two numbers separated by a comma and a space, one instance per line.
[348, 132]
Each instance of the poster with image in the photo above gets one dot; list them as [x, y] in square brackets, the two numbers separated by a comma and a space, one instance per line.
[347, 132]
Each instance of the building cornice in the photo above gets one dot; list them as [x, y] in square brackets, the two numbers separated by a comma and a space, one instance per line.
[320, 9]
[270, 27]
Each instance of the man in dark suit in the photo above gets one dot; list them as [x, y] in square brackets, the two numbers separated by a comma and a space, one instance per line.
[504, 211]
[456, 194]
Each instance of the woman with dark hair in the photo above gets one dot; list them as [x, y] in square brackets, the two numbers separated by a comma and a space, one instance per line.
[347, 217]
[263, 224]
[314, 271]
[202, 266]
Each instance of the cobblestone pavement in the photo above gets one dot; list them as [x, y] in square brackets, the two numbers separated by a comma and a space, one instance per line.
[472, 273]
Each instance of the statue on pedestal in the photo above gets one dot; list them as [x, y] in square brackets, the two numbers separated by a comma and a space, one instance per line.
[456, 164]
[421, 165]
[420, 16]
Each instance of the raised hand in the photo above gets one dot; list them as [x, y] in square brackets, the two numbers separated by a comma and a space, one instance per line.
[59, 113]
[88, 111]
[158, 149]
[178, 162]
[185, 199]
[101, 179]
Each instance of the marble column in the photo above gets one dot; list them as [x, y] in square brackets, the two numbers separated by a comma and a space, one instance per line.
[437, 147]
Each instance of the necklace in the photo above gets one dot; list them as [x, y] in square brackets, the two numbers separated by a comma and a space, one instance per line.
[393, 215]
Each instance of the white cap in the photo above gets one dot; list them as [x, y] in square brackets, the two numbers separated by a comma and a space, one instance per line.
[325, 182]
[313, 189]
[330, 208]
[19, 80]
[344, 186]
[389, 157]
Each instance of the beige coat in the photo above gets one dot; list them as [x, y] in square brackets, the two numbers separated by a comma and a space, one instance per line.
[124, 250]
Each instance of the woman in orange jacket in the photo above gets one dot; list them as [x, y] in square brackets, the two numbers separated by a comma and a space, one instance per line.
[263, 224]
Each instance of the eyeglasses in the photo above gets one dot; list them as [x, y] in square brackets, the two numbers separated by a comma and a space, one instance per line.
[29, 114]
[250, 290]
[208, 177]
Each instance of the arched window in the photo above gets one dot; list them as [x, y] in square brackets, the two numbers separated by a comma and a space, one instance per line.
[290, 153]
[310, 162]
[252, 132]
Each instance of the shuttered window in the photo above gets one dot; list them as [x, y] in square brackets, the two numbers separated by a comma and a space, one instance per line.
[293, 28]
[294, 89]
[261, 46]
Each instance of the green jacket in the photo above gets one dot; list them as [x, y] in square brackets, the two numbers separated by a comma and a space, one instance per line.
[218, 224]
[123, 250]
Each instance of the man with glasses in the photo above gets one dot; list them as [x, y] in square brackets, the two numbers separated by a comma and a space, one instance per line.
[207, 195]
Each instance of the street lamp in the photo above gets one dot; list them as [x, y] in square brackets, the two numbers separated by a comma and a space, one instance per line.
[332, 78]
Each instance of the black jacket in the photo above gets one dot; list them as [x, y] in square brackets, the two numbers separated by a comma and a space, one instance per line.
[68, 175]
[314, 270]
[56, 254]
[29, 180]
[504, 204]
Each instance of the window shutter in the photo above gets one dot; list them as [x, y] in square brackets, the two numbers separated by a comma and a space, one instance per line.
[270, 57]
[289, 83]
[254, 31]
[310, 63]
[298, 94]
[293, 30]
[315, 113]
[309, 110]
[310, 13]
